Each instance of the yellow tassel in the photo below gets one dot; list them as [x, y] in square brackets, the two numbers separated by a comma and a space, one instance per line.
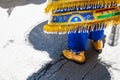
[62, 4]
[80, 26]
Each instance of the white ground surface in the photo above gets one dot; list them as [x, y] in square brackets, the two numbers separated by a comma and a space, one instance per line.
[111, 57]
[18, 59]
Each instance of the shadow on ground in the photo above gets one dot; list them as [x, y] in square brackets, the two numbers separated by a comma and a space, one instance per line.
[60, 68]
[14, 3]
[11, 4]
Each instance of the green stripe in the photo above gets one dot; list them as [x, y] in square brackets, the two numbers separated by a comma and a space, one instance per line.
[117, 13]
[108, 15]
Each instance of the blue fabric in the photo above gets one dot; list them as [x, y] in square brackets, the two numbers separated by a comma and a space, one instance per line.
[75, 19]
[77, 41]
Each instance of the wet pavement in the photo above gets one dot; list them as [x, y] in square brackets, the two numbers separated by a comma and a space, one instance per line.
[60, 68]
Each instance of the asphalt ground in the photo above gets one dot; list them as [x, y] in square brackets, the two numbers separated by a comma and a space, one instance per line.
[13, 3]
[61, 68]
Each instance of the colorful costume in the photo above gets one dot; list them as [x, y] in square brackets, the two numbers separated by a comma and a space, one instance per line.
[82, 19]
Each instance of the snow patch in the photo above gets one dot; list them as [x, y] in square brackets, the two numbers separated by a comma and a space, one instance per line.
[18, 58]
[110, 57]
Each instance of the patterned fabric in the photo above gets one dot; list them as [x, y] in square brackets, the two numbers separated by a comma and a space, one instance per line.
[72, 15]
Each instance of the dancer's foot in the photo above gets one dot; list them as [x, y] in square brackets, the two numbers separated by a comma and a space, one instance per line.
[73, 56]
[98, 45]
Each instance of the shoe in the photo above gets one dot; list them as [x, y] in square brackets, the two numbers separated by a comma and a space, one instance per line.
[73, 56]
[98, 45]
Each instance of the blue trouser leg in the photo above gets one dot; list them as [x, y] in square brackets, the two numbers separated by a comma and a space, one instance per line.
[96, 34]
[78, 41]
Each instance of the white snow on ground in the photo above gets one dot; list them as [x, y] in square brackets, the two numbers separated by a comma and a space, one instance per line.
[111, 57]
[18, 59]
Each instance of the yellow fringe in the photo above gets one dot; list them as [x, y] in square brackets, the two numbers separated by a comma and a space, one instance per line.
[62, 4]
[81, 26]
[84, 11]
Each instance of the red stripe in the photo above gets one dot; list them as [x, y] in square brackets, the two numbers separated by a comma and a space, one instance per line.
[97, 11]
